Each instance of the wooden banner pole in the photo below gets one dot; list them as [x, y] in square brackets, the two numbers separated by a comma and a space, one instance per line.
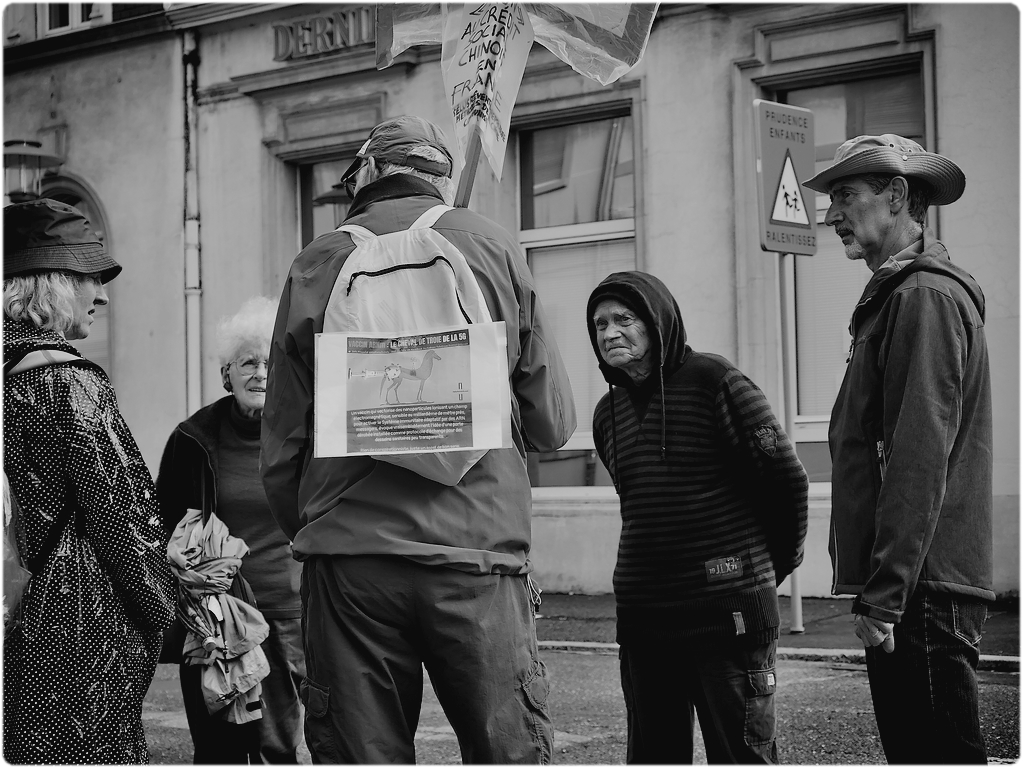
[472, 159]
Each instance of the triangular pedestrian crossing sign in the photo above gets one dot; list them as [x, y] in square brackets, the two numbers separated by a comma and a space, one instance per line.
[789, 205]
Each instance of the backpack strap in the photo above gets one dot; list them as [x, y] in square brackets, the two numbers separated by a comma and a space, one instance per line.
[359, 235]
[38, 358]
[429, 218]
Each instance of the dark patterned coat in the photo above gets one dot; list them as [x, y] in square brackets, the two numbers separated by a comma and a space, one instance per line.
[77, 668]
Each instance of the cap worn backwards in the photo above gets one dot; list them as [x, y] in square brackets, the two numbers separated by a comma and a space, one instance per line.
[392, 140]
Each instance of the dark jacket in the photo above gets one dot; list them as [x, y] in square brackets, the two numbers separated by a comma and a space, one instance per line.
[911, 440]
[188, 468]
[713, 497]
[189, 471]
[359, 505]
[78, 667]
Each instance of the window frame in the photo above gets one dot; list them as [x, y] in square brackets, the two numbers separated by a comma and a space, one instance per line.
[788, 55]
[572, 111]
[102, 13]
[813, 428]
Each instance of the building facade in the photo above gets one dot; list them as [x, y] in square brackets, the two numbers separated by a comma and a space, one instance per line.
[205, 142]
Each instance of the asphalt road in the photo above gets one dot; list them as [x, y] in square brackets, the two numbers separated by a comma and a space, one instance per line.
[824, 714]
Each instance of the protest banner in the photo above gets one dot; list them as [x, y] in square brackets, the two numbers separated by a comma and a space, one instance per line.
[442, 389]
[602, 41]
[482, 60]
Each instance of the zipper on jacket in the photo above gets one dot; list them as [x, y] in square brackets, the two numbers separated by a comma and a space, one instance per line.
[419, 265]
[882, 462]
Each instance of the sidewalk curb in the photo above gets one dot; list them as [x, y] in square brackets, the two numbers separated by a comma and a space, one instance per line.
[844, 655]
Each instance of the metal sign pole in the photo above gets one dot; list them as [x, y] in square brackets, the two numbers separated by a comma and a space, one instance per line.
[786, 296]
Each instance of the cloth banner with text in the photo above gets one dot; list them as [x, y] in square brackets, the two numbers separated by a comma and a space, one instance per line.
[485, 46]
[483, 57]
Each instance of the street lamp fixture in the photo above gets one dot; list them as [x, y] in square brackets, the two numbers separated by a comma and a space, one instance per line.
[24, 163]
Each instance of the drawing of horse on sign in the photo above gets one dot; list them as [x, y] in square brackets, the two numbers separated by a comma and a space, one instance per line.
[395, 374]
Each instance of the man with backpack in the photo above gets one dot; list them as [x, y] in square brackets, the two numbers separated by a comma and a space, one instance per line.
[400, 570]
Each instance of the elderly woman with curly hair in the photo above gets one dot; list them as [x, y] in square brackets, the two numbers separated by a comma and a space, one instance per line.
[211, 463]
[83, 652]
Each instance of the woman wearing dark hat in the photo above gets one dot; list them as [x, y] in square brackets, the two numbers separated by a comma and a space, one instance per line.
[79, 660]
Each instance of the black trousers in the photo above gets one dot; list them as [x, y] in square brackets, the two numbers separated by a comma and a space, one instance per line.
[274, 738]
[371, 625]
[215, 741]
[729, 686]
[925, 692]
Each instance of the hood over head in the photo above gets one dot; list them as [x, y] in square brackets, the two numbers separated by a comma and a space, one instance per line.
[651, 300]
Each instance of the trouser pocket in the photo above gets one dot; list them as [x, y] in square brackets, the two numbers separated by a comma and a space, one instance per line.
[535, 689]
[968, 617]
[760, 719]
[319, 727]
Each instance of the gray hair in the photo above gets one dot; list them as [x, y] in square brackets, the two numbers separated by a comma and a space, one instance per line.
[45, 300]
[919, 192]
[444, 184]
[252, 325]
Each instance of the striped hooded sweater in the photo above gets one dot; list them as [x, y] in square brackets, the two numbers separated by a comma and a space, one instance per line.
[713, 497]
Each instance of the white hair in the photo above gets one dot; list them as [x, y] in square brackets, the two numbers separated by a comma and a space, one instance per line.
[45, 300]
[252, 325]
[444, 184]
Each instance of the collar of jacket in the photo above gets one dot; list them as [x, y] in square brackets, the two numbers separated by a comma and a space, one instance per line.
[391, 187]
[933, 257]
[21, 337]
[203, 426]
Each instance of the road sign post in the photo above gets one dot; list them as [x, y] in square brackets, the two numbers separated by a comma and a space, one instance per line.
[786, 156]
[785, 159]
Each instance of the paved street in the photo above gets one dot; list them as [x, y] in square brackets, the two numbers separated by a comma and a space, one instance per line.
[824, 711]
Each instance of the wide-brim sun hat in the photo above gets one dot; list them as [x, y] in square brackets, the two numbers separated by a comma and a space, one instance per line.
[49, 236]
[898, 156]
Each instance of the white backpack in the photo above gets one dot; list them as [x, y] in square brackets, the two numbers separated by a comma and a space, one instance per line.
[402, 282]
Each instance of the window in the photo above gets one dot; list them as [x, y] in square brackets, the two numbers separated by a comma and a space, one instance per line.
[324, 204]
[64, 17]
[578, 225]
[97, 345]
[827, 284]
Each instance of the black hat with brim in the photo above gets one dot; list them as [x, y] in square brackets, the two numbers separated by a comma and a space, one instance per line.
[49, 236]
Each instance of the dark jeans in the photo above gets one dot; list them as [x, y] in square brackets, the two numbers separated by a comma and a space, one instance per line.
[730, 686]
[925, 691]
[272, 739]
[215, 741]
[372, 623]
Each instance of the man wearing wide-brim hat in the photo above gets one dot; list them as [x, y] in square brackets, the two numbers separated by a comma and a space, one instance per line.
[910, 438]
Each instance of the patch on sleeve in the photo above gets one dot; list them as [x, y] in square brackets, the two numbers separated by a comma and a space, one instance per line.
[767, 439]
[724, 568]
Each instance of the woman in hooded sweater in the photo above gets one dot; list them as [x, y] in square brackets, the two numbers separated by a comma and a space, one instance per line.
[714, 514]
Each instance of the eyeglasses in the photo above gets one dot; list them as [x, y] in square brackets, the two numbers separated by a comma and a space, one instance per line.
[250, 365]
[348, 177]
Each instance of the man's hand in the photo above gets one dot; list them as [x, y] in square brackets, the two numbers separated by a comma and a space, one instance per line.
[874, 632]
